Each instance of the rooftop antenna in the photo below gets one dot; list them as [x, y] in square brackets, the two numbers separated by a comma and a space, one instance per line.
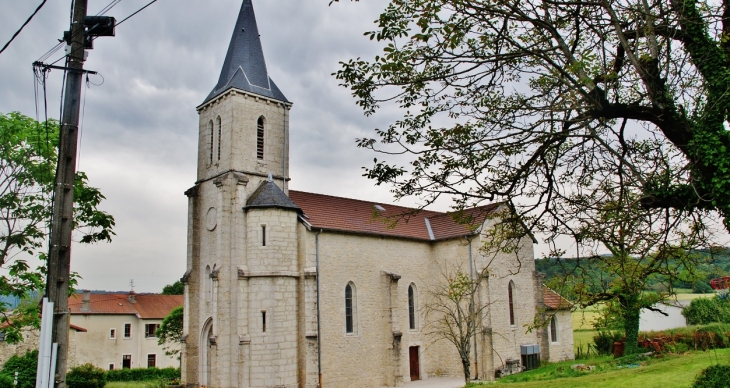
[131, 284]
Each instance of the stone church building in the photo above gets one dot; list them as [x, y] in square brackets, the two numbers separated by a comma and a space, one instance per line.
[294, 289]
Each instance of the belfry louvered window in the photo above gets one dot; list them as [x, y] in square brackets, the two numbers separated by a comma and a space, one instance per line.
[220, 130]
[212, 144]
[260, 138]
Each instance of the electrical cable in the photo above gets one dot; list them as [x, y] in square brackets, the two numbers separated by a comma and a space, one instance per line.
[23, 26]
[94, 38]
[57, 47]
[136, 12]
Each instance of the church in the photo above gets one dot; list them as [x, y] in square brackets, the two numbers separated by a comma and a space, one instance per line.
[286, 288]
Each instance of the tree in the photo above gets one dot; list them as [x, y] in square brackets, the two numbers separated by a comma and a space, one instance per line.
[514, 99]
[27, 171]
[170, 331]
[176, 288]
[453, 313]
[600, 121]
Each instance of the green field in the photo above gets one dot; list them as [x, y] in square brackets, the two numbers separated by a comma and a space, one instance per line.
[665, 372]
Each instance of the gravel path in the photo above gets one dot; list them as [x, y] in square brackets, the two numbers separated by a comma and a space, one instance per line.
[436, 382]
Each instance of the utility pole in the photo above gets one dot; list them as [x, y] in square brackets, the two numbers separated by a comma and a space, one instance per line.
[59, 260]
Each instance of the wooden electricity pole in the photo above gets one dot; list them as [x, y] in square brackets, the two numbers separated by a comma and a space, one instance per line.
[59, 259]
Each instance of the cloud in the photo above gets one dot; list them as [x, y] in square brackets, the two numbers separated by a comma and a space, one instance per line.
[139, 134]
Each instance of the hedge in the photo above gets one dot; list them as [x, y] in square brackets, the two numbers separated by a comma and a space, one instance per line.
[86, 376]
[26, 367]
[713, 336]
[703, 311]
[143, 374]
[715, 376]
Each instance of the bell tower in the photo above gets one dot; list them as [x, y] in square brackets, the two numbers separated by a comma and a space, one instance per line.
[243, 160]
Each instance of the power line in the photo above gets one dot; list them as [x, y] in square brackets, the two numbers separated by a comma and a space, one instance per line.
[23, 26]
[135, 12]
[94, 37]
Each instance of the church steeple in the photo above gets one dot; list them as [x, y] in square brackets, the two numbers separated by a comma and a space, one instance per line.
[245, 67]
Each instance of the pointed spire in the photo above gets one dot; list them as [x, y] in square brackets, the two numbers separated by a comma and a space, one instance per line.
[245, 67]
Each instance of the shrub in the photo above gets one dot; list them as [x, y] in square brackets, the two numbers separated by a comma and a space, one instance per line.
[604, 340]
[143, 374]
[6, 381]
[86, 376]
[703, 311]
[701, 287]
[715, 376]
[26, 367]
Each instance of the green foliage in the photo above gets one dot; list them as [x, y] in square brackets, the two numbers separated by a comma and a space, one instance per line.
[143, 374]
[26, 366]
[702, 311]
[715, 376]
[176, 288]
[27, 172]
[604, 340]
[86, 376]
[702, 287]
[169, 332]
[6, 381]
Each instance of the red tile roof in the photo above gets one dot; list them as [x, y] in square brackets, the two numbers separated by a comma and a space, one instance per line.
[146, 306]
[357, 216]
[553, 300]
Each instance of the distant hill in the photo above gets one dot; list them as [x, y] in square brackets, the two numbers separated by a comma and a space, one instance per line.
[717, 265]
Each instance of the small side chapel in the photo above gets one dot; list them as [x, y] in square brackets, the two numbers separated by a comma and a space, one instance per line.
[286, 288]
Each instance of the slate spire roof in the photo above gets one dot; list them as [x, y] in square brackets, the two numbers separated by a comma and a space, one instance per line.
[245, 67]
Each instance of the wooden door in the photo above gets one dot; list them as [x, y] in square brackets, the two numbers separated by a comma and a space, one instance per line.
[413, 357]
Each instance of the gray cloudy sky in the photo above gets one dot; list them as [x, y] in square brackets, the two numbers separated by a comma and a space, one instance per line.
[140, 127]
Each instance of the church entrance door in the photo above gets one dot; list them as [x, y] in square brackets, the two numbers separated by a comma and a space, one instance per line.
[415, 368]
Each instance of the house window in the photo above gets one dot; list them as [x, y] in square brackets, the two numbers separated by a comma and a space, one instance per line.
[350, 308]
[260, 138]
[111, 366]
[2, 336]
[212, 144]
[149, 329]
[112, 333]
[218, 121]
[127, 330]
[554, 329]
[151, 360]
[510, 294]
[412, 307]
[263, 321]
[127, 361]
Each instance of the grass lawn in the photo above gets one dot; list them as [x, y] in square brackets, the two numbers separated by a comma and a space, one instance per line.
[132, 384]
[665, 372]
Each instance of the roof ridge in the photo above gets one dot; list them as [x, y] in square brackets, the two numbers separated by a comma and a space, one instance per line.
[435, 212]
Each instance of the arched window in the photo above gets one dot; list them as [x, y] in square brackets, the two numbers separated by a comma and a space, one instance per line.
[350, 308]
[212, 144]
[412, 307]
[260, 138]
[218, 122]
[553, 329]
[511, 296]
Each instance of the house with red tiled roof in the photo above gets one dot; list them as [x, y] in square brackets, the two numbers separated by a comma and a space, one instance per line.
[557, 336]
[119, 329]
[286, 288]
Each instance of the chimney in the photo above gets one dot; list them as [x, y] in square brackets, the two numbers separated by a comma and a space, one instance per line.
[131, 298]
[86, 301]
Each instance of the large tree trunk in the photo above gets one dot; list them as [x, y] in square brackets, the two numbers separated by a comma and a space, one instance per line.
[631, 324]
